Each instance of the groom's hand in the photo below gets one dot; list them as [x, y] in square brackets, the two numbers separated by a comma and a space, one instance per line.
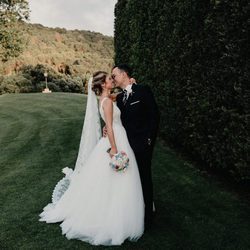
[104, 131]
[113, 96]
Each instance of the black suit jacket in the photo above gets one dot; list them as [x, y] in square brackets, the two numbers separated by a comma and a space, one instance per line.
[140, 117]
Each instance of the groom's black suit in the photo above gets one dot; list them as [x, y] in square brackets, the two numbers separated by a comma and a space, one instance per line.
[140, 117]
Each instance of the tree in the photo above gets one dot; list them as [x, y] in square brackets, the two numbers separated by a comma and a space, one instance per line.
[12, 12]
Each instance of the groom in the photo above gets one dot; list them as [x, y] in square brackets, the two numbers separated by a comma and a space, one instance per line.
[140, 117]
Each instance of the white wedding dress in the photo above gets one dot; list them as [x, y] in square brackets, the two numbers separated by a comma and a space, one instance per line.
[101, 206]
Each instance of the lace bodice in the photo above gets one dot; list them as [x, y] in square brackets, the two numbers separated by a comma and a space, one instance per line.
[116, 112]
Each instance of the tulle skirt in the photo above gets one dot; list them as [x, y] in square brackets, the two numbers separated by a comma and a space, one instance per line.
[101, 206]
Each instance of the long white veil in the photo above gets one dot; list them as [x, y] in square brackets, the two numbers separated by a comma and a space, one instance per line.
[91, 134]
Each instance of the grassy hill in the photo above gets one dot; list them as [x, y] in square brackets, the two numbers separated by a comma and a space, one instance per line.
[40, 134]
[61, 49]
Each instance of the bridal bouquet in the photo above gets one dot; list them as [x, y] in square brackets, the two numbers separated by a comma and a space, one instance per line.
[119, 162]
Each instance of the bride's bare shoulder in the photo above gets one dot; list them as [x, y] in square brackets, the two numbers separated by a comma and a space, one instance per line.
[104, 101]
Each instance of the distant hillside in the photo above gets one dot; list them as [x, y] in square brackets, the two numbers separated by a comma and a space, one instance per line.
[72, 52]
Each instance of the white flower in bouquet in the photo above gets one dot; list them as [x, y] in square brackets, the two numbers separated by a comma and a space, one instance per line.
[119, 162]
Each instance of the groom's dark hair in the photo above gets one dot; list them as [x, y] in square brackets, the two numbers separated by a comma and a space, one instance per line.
[124, 67]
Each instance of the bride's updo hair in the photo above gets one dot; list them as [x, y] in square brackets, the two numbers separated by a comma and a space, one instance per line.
[99, 78]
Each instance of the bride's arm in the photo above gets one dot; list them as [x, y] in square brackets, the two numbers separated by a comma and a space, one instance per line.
[108, 114]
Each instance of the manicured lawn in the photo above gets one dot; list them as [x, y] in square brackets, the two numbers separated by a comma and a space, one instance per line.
[39, 135]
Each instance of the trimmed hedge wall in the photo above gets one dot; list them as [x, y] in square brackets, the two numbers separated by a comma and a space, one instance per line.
[194, 55]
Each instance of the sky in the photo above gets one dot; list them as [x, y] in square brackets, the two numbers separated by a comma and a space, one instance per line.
[93, 15]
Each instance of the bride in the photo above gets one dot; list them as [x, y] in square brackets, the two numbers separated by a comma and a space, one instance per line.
[94, 202]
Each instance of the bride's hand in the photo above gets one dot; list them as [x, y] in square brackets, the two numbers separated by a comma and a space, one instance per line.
[112, 152]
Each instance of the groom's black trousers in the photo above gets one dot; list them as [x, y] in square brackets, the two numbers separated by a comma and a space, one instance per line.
[140, 118]
[144, 159]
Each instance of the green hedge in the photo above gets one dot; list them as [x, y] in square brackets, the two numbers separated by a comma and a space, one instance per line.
[194, 55]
